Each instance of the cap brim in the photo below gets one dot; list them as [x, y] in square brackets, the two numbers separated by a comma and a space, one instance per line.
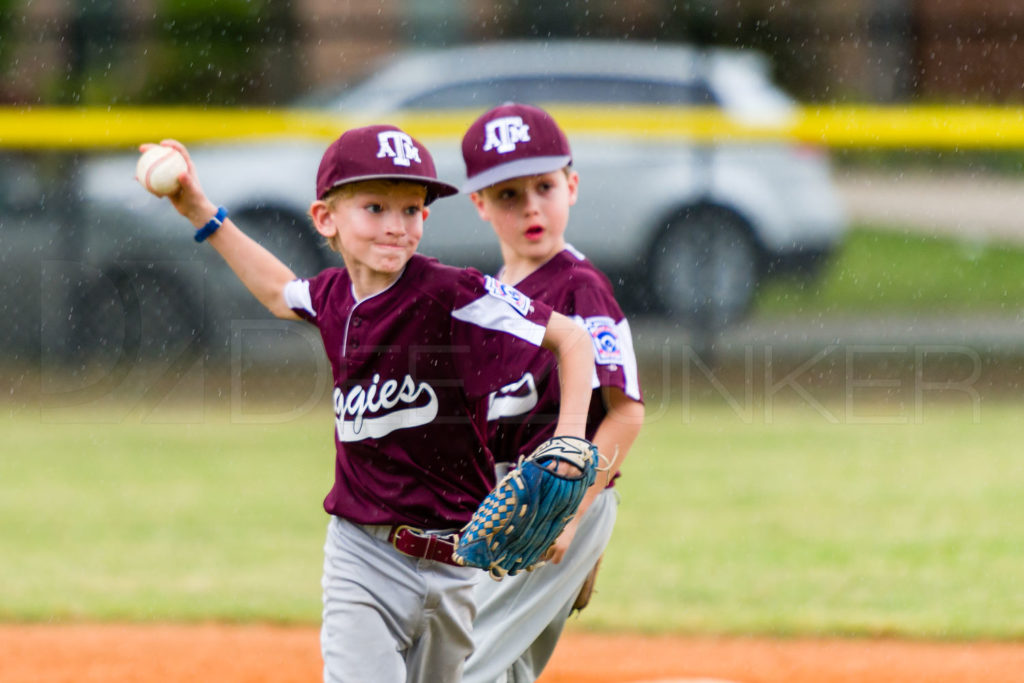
[435, 188]
[515, 169]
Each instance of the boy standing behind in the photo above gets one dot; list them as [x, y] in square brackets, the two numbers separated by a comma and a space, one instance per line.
[521, 182]
[415, 349]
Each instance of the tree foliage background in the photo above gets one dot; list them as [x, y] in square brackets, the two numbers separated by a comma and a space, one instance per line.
[265, 52]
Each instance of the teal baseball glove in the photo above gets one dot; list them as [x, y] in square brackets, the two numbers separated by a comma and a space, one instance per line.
[519, 520]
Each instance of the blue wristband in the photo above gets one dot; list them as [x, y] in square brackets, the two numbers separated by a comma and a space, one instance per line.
[212, 225]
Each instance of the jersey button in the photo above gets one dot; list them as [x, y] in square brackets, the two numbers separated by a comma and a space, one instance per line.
[356, 322]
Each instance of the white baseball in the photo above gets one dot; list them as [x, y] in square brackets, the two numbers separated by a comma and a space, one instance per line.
[158, 170]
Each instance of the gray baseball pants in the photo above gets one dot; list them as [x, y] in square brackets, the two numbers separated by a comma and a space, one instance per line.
[520, 618]
[388, 617]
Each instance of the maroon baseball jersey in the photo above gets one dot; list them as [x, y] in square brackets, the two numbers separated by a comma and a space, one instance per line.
[523, 413]
[413, 367]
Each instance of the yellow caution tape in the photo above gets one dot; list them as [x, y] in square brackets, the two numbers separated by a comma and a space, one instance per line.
[834, 126]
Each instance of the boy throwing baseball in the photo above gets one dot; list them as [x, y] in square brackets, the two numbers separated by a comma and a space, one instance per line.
[415, 348]
[521, 182]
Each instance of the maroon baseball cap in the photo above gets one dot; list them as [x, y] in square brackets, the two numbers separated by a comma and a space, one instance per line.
[379, 153]
[512, 141]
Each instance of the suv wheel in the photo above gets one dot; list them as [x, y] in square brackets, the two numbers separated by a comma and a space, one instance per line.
[135, 314]
[287, 236]
[704, 268]
[290, 238]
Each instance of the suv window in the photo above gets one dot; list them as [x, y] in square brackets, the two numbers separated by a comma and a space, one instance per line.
[586, 89]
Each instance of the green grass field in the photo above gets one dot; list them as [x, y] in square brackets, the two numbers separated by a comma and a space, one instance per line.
[787, 525]
[886, 270]
[799, 526]
[780, 524]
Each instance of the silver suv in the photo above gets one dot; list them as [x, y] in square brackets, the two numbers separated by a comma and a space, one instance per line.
[684, 228]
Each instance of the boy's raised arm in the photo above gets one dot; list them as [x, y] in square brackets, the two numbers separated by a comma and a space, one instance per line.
[575, 353]
[260, 271]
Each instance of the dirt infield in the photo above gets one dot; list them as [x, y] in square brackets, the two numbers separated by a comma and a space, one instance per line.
[250, 654]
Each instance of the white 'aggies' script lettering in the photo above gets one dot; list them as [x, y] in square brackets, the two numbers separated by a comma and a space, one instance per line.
[370, 412]
[517, 398]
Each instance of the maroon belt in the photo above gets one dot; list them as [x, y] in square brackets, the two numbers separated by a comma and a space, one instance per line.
[418, 543]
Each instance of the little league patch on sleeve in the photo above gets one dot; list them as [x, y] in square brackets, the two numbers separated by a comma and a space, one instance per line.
[605, 335]
[510, 295]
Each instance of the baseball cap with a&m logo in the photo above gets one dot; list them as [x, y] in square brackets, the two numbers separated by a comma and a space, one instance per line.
[512, 141]
[379, 153]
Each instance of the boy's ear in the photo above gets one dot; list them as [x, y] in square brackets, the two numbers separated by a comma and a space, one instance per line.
[323, 219]
[573, 180]
[478, 202]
